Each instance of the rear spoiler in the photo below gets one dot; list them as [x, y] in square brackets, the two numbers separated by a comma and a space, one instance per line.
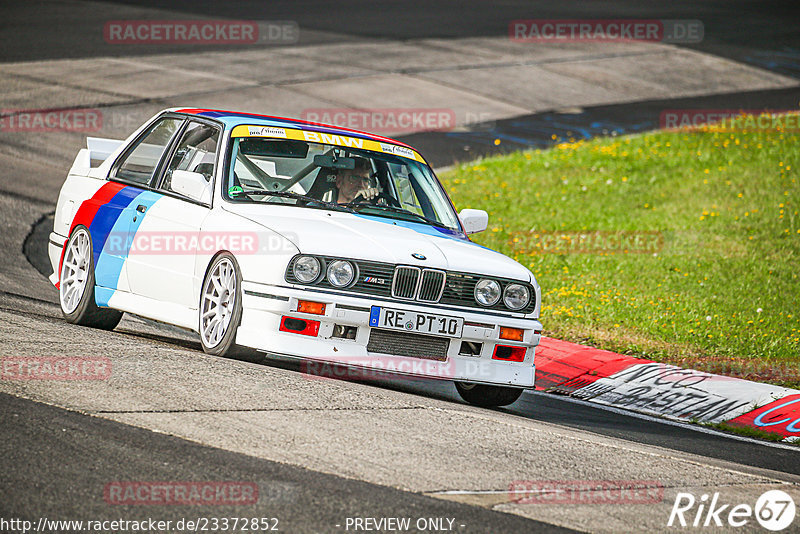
[98, 150]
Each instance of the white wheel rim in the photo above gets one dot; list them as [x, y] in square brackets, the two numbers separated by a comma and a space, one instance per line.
[217, 303]
[75, 271]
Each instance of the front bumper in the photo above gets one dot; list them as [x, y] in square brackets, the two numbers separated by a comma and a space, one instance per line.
[264, 306]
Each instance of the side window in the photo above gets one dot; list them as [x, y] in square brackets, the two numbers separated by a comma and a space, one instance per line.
[140, 163]
[196, 152]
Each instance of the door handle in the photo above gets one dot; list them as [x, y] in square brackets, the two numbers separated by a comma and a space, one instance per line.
[141, 208]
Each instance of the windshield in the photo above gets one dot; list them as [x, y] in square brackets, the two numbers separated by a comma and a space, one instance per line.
[323, 176]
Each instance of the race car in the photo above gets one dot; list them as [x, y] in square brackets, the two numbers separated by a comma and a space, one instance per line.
[297, 239]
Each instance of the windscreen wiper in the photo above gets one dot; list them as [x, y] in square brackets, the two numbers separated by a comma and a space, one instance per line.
[296, 196]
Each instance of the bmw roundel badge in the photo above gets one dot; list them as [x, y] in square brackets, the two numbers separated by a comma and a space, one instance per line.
[418, 256]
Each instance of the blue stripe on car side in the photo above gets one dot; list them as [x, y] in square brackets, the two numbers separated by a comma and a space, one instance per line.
[116, 249]
[107, 220]
[102, 295]
[112, 257]
[106, 217]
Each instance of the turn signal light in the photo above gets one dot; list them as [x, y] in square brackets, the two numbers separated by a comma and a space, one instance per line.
[306, 306]
[514, 334]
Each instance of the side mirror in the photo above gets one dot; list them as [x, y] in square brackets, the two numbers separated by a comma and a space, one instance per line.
[192, 185]
[474, 221]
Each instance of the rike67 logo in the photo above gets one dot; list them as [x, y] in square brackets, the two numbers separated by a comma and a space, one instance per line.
[774, 510]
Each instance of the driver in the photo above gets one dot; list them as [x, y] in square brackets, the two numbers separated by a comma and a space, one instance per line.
[355, 183]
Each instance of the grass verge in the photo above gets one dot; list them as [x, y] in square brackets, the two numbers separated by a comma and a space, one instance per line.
[746, 431]
[678, 246]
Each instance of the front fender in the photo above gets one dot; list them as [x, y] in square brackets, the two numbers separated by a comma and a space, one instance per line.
[261, 253]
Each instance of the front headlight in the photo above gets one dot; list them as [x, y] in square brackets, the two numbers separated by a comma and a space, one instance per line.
[341, 273]
[516, 296]
[487, 292]
[306, 269]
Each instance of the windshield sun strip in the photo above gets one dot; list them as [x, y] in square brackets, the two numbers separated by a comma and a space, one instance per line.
[341, 140]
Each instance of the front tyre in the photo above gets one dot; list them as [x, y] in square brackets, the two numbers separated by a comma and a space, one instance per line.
[487, 396]
[76, 285]
[221, 306]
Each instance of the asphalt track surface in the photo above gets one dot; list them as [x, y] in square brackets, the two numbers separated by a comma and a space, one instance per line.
[76, 454]
[56, 460]
[536, 130]
[758, 32]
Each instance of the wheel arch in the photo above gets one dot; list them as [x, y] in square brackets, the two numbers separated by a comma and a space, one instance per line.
[206, 269]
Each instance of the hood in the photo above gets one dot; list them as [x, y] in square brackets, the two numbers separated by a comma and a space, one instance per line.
[381, 239]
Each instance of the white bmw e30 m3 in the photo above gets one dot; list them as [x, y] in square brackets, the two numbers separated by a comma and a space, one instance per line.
[297, 239]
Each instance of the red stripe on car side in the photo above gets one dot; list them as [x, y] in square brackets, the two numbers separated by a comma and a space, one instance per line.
[87, 211]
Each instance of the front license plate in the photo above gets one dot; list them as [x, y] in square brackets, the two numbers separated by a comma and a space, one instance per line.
[420, 323]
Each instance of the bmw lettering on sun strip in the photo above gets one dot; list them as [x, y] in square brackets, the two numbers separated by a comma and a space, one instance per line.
[295, 239]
